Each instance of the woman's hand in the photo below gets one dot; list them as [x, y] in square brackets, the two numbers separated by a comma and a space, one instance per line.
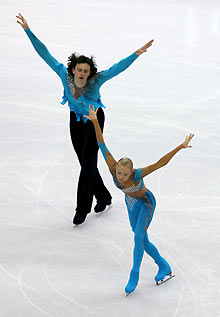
[92, 113]
[187, 140]
[144, 48]
[22, 21]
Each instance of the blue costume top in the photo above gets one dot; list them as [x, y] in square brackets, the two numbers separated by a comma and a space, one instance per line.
[90, 94]
[136, 187]
[135, 190]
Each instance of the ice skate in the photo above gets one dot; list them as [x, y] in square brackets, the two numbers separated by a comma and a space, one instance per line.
[132, 283]
[79, 218]
[166, 278]
[103, 206]
[164, 273]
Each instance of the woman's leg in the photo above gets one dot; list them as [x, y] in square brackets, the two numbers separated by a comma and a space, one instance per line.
[150, 249]
[142, 222]
[163, 267]
[139, 235]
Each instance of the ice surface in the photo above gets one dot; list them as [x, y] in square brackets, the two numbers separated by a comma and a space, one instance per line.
[47, 268]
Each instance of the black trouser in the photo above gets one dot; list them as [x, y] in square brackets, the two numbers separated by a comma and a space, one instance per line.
[85, 144]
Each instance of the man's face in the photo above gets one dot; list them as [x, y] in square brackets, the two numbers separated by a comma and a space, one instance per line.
[81, 74]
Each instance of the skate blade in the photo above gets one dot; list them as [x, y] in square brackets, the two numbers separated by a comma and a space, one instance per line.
[166, 278]
[76, 226]
[108, 207]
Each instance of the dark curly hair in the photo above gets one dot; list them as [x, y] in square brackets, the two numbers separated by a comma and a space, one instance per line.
[78, 59]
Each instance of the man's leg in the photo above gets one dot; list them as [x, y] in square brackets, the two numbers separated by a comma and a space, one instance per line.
[90, 182]
[101, 193]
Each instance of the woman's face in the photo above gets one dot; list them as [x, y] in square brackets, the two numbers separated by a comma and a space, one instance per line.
[81, 74]
[122, 173]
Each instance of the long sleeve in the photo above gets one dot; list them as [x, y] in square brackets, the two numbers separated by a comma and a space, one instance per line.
[110, 161]
[162, 162]
[44, 53]
[117, 68]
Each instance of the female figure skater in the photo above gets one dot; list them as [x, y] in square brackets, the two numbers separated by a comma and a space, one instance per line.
[81, 84]
[140, 203]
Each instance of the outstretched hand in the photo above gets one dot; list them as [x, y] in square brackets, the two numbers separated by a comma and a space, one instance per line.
[144, 48]
[92, 113]
[187, 140]
[22, 21]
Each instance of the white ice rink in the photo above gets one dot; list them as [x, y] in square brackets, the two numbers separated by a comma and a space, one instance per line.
[47, 268]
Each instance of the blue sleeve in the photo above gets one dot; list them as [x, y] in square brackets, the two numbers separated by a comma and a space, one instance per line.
[110, 161]
[117, 68]
[44, 53]
[103, 149]
[137, 176]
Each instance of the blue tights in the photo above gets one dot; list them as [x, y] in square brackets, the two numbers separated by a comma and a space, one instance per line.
[140, 217]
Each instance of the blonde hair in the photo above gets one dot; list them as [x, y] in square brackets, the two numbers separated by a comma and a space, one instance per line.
[125, 161]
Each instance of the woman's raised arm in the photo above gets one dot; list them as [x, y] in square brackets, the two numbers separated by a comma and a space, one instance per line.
[110, 161]
[166, 158]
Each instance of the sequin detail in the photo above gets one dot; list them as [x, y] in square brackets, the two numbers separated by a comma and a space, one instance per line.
[131, 201]
[71, 84]
[132, 189]
[75, 91]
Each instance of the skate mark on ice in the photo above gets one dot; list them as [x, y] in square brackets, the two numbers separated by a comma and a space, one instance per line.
[22, 290]
[53, 287]
[188, 282]
[179, 302]
[42, 182]
[44, 200]
[185, 278]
